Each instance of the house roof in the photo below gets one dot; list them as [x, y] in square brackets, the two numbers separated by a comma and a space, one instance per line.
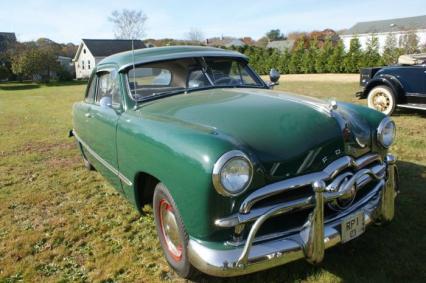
[391, 25]
[8, 35]
[107, 47]
[146, 55]
[225, 41]
[5, 39]
[281, 45]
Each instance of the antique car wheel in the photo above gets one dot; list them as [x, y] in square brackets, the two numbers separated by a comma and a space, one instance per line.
[381, 98]
[86, 162]
[171, 231]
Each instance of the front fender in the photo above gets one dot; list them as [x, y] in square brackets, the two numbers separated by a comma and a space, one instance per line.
[182, 158]
[388, 80]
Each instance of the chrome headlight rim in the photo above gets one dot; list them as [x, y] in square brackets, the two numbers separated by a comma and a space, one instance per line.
[380, 130]
[220, 164]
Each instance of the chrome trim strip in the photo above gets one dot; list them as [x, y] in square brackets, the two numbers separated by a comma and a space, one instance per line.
[103, 161]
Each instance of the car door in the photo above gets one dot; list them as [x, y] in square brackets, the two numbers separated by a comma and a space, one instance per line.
[104, 115]
[81, 111]
[413, 80]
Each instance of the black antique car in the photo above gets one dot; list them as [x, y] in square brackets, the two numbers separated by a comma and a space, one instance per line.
[402, 85]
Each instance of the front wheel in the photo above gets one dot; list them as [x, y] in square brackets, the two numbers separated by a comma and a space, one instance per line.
[171, 232]
[382, 98]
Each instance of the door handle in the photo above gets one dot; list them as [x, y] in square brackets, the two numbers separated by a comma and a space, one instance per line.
[87, 115]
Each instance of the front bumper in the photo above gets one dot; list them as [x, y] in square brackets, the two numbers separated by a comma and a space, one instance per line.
[316, 235]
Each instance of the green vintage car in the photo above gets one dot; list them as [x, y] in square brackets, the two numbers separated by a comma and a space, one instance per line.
[241, 178]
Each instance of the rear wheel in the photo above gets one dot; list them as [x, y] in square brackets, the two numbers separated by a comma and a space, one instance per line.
[171, 232]
[382, 98]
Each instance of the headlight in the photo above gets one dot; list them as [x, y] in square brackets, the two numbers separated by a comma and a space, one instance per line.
[232, 173]
[386, 132]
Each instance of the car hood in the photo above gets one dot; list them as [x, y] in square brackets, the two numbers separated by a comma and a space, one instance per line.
[287, 134]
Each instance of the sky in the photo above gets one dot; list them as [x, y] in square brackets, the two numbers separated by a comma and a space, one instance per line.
[69, 21]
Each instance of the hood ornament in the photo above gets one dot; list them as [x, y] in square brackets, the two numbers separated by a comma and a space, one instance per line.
[332, 105]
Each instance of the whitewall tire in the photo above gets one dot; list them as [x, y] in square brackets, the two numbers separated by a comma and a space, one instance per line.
[382, 98]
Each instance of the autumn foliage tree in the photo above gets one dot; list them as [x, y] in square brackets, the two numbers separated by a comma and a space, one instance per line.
[35, 63]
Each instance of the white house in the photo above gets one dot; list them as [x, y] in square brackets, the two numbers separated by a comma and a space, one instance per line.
[381, 29]
[91, 51]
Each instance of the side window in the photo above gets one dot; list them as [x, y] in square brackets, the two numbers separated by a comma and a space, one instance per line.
[90, 94]
[108, 87]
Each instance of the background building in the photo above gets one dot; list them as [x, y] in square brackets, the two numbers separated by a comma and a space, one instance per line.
[381, 29]
[91, 51]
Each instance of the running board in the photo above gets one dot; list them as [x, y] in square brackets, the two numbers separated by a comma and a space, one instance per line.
[413, 106]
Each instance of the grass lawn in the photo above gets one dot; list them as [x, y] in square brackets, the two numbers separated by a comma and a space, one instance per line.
[59, 222]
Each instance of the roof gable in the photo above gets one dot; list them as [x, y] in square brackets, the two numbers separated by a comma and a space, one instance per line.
[107, 47]
[391, 25]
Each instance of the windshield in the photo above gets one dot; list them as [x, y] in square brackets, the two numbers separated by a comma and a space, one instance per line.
[175, 76]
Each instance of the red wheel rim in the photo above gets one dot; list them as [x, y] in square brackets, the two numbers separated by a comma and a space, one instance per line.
[170, 230]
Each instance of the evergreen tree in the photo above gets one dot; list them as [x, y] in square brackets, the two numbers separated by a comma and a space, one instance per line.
[323, 56]
[335, 62]
[273, 60]
[308, 57]
[409, 43]
[353, 58]
[295, 63]
[284, 61]
[390, 50]
[371, 56]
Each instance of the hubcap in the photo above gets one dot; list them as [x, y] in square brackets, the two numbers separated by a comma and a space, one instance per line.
[169, 229]
[381, 101]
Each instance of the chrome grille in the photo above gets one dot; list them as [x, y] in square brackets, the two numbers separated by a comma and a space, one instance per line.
[294, 195]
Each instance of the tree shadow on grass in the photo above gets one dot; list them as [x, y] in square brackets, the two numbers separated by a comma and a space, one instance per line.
[11, 87]
[66, 83]
[391, 253]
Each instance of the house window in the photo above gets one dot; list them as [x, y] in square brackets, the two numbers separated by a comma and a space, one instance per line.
[84, 50]
[82, 64]
[88, 64]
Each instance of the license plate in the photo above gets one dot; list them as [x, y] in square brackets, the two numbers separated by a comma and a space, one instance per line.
[352, 226]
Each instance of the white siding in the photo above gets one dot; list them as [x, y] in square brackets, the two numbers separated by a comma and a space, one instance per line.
[84, 63]
[382, 38]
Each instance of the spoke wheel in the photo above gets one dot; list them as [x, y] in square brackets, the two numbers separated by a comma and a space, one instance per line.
[381, 98]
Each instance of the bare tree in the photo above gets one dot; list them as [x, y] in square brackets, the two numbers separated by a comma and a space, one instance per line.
[128, 24]
[195, 35]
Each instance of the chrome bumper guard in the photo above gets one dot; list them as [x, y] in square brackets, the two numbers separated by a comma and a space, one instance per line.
[317, 234]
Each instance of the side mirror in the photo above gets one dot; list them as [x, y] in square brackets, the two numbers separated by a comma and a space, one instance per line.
[106, 102]
[274, 77]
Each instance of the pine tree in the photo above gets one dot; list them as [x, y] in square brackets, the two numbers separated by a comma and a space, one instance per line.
[371, 56]
[335, 62]
[353, 58]
[283, 62]
[390, 50]
[296, 58]
[409, 42]
[323, 56]
[308, 57]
